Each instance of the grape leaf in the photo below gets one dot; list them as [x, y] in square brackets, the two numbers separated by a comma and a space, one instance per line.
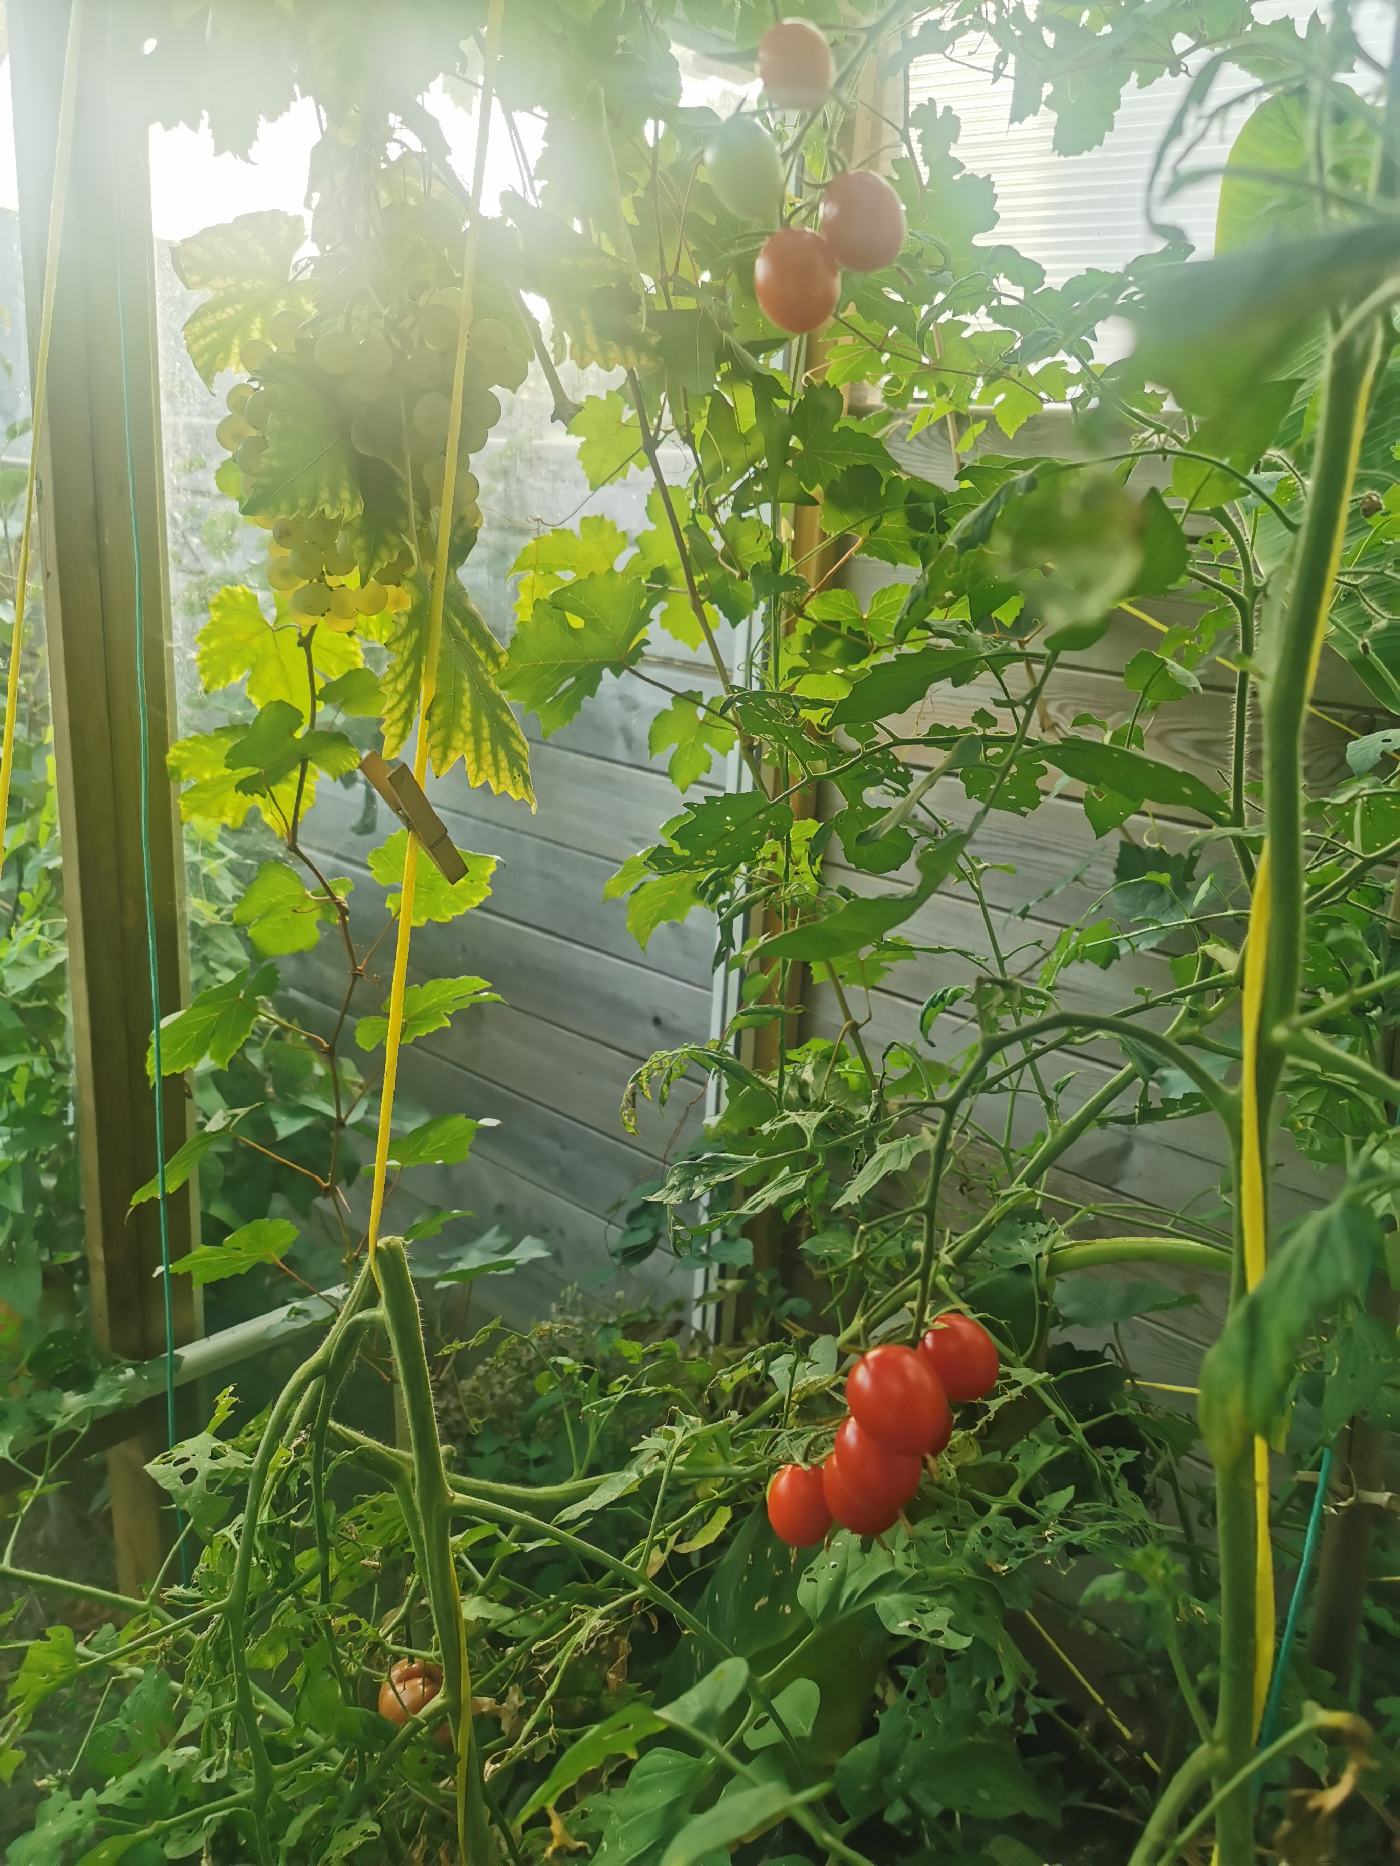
[555, 556]
[210, 790]
[470, 717]
[446, 1140]
[697, 734]
[186, 1157]
[280, 912]
[243, 265]
[265, 1240]
[272, 748]
[433, 898]
[216, 1023]
[308, 464]
[608, 443]
[239, 643]
[427, 1007]
[591, 627]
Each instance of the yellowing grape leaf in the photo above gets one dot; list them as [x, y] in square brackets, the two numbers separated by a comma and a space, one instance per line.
[555, 556]
[243, 265]
[470, 717]
[239, 643]
[308, 464]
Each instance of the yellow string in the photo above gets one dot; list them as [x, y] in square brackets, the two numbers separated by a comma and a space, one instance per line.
[63, 147]
[432, 647]
[1254, 1236]
[436, 601]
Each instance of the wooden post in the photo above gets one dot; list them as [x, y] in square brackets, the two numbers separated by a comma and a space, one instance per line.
[90, 585]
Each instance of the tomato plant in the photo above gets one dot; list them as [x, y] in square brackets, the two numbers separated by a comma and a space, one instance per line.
[886, 573]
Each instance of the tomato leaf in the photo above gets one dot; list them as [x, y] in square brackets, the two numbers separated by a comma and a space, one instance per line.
[856, 923]
[1132, 775]
[1246, 1374]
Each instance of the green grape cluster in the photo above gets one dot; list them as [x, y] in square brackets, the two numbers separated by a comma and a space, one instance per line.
[389, 378]
[311, 562]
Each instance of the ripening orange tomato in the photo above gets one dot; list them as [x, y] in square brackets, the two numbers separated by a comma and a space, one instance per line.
[796, 281]
[862, 220]
[795, 65]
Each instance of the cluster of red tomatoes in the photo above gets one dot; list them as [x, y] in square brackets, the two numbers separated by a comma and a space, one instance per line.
[898, 1416]
[860, 220]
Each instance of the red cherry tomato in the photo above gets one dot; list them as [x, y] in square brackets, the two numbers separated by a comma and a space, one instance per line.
[870, 1470]
[797, 1507]
[862, 220]
[867, 1516]
[795, 279]
[795, 65]
[895, 1395]
[963, 1355]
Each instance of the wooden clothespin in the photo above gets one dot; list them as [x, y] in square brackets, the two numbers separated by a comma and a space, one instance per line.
[399, 788]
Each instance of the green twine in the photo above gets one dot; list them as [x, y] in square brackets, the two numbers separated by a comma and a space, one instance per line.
[1273, 1704]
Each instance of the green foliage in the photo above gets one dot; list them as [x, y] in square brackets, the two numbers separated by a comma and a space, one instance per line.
[653, 1680]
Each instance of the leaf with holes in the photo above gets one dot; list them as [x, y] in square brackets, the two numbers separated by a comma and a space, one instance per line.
[204, 1474]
